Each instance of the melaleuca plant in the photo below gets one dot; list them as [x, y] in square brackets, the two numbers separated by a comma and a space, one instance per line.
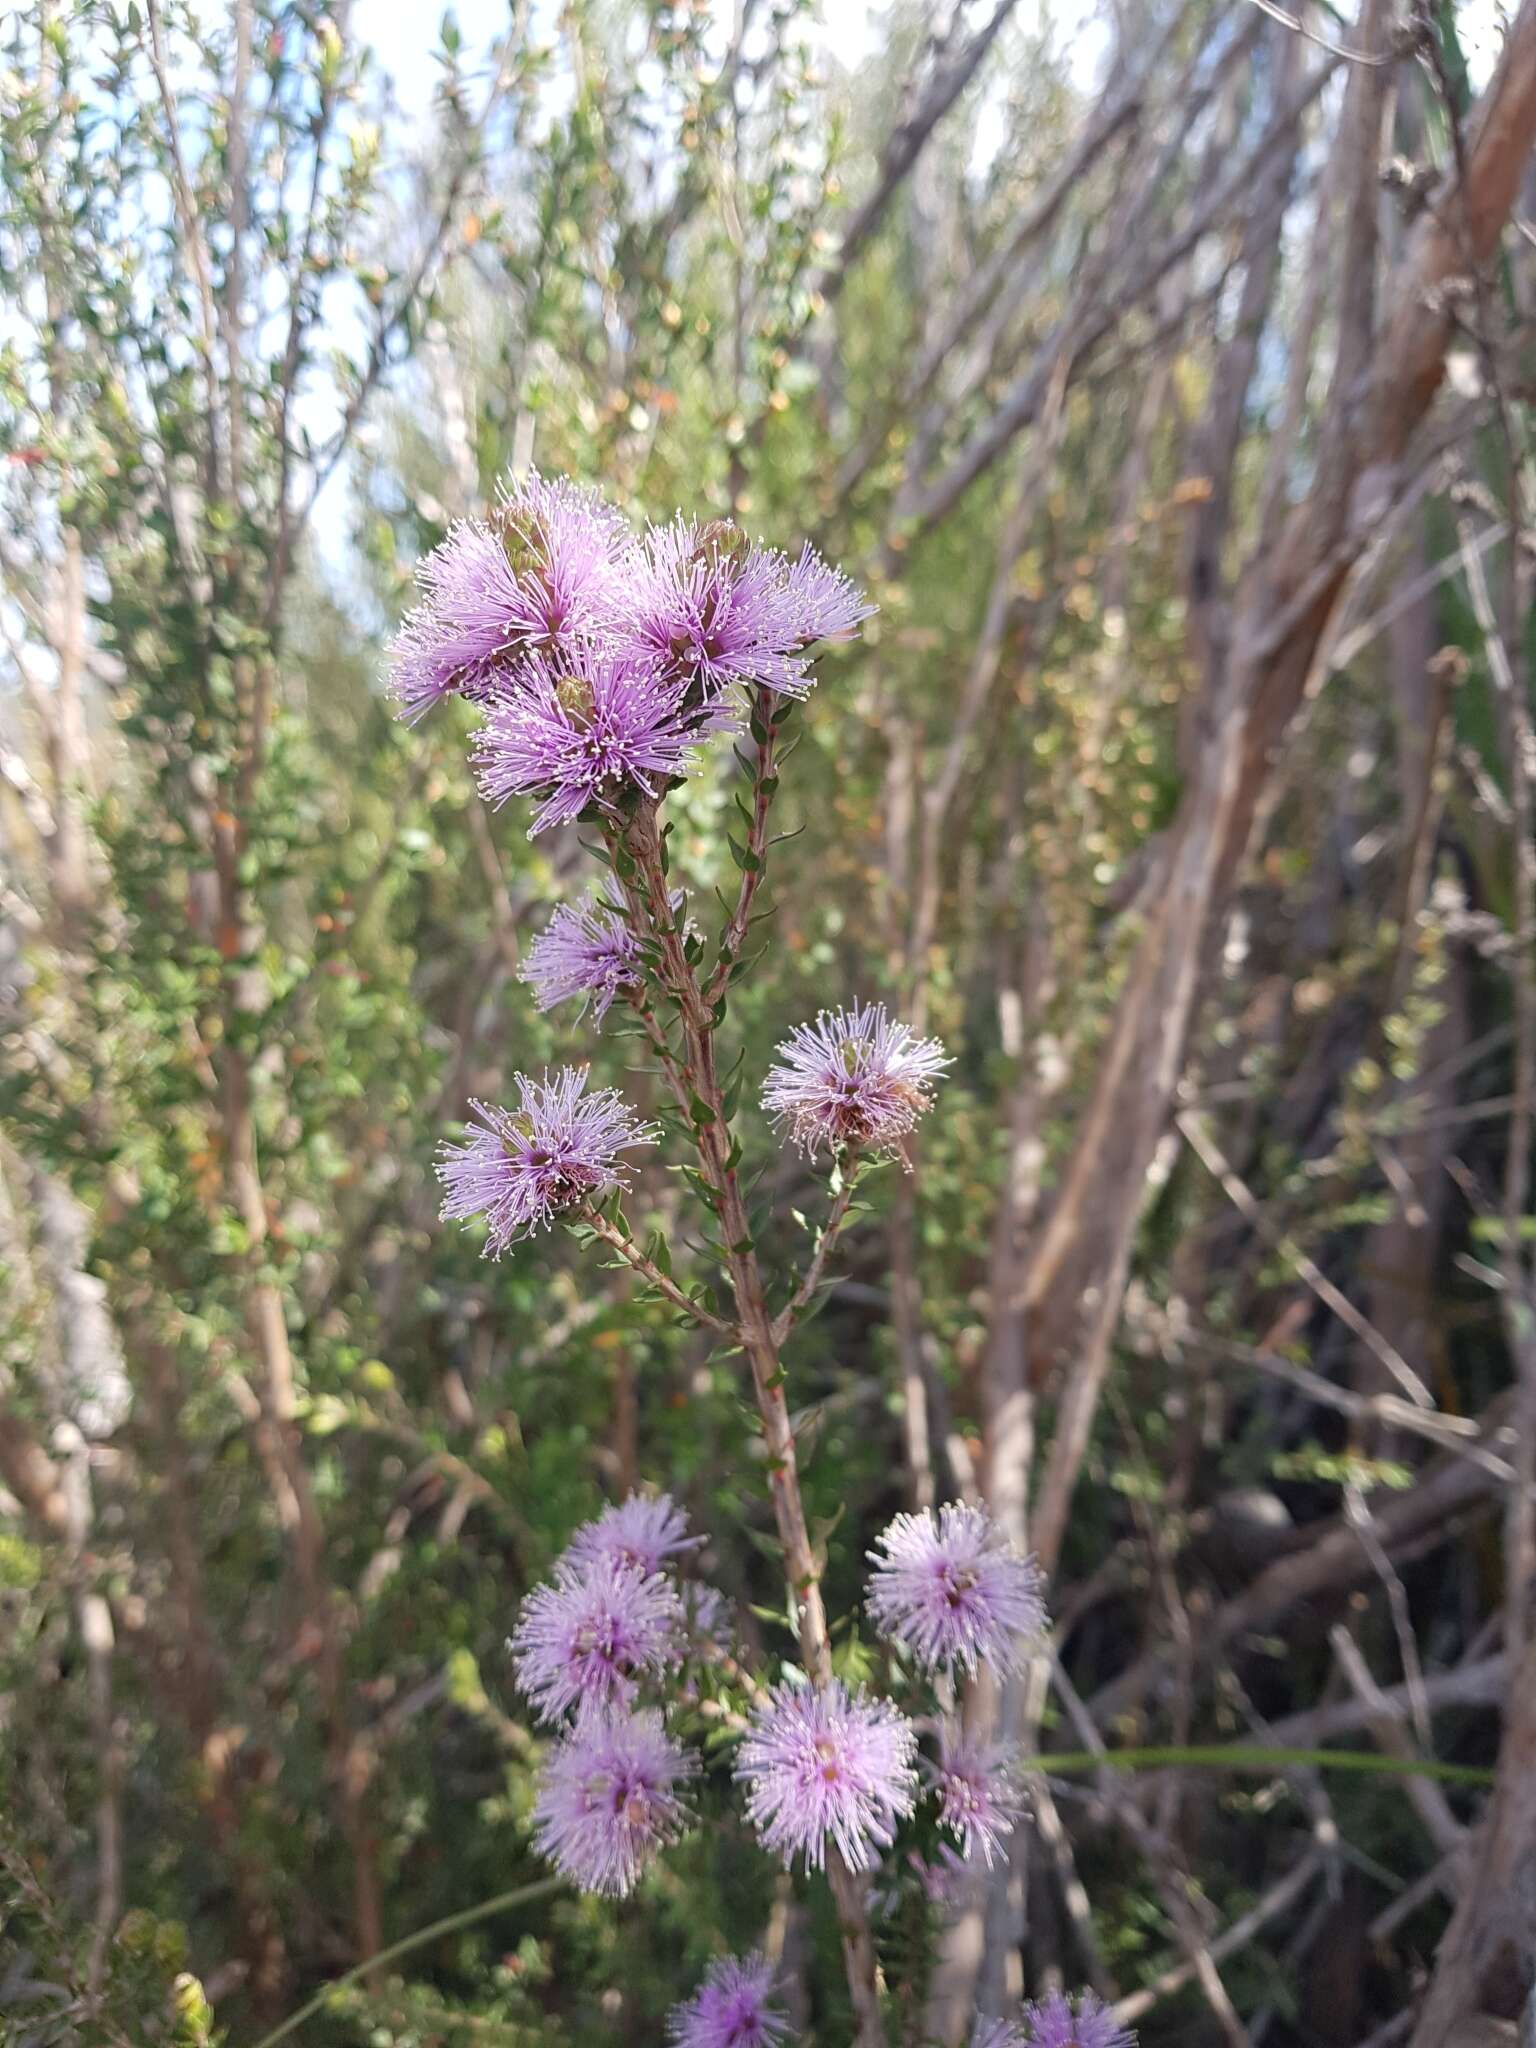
[604, 663]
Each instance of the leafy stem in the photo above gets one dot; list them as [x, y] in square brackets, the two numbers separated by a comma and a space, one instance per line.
[639, 862]
[811, 1279]
[602, 1226]
[768, 716]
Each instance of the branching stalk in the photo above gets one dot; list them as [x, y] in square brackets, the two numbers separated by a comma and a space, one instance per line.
[640, 866]
[652, 1274]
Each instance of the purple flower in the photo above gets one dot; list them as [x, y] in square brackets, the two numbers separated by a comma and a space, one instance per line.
[730, 2009]
[714, 610]
[585, 950]
[423, 670]
[609, 1800]
[953, 1590]
[564, 544]
[575, 737]
[854, 1078]
[711, 1622]
[828, 1765]
[978, 1793]
[524, 1167]
[1053, 2024]
[989, 2033]
[585, 1639]
[643, 1532]
[534, 577]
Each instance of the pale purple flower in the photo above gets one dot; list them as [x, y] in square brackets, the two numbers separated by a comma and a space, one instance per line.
[827, 1766]
[609, 1799]
[523, 1167]
[954, 1590]
[585, 1639]
[582, 736]
[989, 2033]
[854, 1078]
[644, 1531]
[715, 610]
[423, 669]
[730, 2009]
[1053, 2023]
[534, 577]
[944, 1880]
[585, 950]
[710, 1619]
[978, 1793]
[564, 543]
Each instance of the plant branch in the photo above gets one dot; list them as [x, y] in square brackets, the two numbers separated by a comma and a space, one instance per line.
[766, 717]
[652, 1274]
[837, 1216]
[640, 865]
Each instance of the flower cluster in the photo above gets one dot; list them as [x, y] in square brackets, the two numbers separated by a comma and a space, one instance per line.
[603, 657]
[601, 660]
[854, 1080]
[557, 1151]
[609, 1620]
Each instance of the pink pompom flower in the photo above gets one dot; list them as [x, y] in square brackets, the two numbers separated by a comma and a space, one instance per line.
[978, 1793]
[714, 610]
[730, 2009]
[824, 1766]
[854, 1079]
[611, 1797]
[582, 737]
[584, 1639]
[953, 1590]
[1060, 2022]
[646, 1531]
[523, 1167]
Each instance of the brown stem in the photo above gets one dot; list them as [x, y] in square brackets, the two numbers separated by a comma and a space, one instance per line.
[764, 788]
[837, 1216]
[645, 886]
[652, 1274]
[656, 1038]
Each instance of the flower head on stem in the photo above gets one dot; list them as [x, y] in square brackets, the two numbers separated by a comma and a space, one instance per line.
[854, 1080]
[556, 1151]
[953, 1590]
[584, 736]
[587, 950]
[610, 1798]
[730, 2009]
[533, 577]
[827, 1766]
[977, 1789]
[1061, 2022]
[586, 1638]
[646, 1532]
[718, 611]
